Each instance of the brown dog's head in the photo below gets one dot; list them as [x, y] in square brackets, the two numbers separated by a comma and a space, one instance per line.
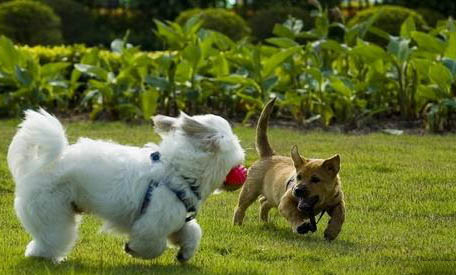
[316, 179]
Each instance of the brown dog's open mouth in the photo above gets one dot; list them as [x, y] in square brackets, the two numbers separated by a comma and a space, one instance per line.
[307, 204]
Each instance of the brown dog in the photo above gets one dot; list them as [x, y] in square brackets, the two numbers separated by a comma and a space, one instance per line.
[300, 188]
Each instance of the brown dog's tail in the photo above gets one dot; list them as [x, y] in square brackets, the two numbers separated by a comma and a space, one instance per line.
[262, 143]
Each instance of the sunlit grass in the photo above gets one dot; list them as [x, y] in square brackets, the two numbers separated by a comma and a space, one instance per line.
[401, 214]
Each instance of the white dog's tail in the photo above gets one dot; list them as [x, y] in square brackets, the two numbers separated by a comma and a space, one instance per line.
[40, 140]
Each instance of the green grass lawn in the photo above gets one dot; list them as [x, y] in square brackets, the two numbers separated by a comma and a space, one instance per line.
[401, 214]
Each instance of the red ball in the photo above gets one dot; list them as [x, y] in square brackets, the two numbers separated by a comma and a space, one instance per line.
[235, 178]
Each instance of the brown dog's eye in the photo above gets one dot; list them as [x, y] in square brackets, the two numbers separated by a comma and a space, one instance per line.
[314, 179]
[299, 177]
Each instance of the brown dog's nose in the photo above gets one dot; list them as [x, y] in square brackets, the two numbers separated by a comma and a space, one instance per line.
[301, 192]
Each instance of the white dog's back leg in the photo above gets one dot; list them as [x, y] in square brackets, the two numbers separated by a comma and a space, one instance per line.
[188, 239]
[51, 221]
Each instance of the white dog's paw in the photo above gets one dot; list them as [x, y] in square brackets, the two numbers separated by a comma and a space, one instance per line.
[58, 260]
[183, 257]
[34, 250]
[128, 250]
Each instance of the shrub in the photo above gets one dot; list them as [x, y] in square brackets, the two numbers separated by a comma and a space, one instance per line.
[221, 20]
[262, 23]
[28, 22]
[116, 24]
[445, 7]
[432, 17]
[77, 21]
[389, 20]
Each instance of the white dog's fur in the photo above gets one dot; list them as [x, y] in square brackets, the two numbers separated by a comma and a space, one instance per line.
[55, 181]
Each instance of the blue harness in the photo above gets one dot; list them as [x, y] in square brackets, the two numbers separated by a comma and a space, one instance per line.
[155, 157]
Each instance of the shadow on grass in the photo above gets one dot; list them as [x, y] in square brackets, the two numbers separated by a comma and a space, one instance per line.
[44, 266]
[312, 239]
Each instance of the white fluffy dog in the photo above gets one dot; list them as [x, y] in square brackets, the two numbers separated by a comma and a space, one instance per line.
[146, 193]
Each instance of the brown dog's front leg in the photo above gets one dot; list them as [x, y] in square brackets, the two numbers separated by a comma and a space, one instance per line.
[337, 214]
[288, 209]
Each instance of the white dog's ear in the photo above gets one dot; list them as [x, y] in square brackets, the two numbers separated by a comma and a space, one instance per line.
[164, 124]
[206, 136]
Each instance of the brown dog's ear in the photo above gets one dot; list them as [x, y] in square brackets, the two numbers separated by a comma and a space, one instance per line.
[297, 160]
[164, 124]
[332, 165]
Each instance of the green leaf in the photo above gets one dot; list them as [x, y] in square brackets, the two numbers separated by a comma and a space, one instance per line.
[184, 71]
[256, 63]
[407, 28]
[359, 30]
[192, 53]
[450, 103]
[23, 76]
[91, 57]
[220, 66]
[282, 42]
[380, 33]
[239, 79]
[282, 31]
[6, 79]
[369, 52]
[316, 74]
[9, 55]
[149, 99]
[327, 114]
[157, 82]
[127, 110]
[222, 41]
[53, 69]
[451, 65]
[426, 93]
[340, 86]
[322, 25]
[422, 65]
[169, 34]
[250, 99]
[90, 95]
[428, 42]
[117, 45]
[399, 48]
[332, 45]
[450, 50]
[277, 59]
[441, 76]
[269, 83]
[193, 24]
[59, 84]
[92, 71]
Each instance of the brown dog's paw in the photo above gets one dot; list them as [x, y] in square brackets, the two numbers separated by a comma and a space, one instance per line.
[306, 228]
[330, 236]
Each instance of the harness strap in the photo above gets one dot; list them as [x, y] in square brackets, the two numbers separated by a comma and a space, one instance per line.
[191, 210]
[146, 200]
[321, 215]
